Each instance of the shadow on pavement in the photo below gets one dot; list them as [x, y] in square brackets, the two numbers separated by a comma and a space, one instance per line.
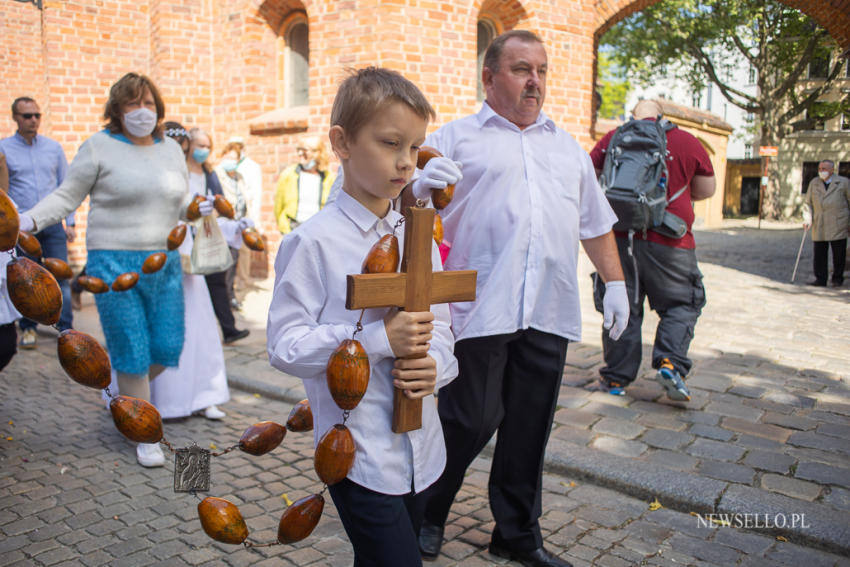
[766, 252]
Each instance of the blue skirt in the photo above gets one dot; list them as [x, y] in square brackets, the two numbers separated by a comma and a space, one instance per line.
[143, 325]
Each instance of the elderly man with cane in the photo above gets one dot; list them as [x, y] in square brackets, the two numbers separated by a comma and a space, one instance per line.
[826, 210]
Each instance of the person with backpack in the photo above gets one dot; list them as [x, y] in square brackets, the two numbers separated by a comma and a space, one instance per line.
[651, 172]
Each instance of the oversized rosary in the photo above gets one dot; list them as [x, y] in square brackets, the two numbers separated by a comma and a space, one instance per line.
[35, 293]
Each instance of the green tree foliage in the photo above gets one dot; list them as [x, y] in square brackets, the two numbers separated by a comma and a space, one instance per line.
[706, 39]
[613, 88]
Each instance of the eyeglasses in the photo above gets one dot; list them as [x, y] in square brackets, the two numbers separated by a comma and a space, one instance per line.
[304, 150]
[29, 115]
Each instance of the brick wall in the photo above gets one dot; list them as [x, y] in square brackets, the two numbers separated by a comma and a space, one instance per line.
[219, 63]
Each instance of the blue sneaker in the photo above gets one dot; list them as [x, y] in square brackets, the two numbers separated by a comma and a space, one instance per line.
[603, 385]
[672, 381]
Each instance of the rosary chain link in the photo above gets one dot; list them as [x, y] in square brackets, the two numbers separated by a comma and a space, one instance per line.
[226, 451]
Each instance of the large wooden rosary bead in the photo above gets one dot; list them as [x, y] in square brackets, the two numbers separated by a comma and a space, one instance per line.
[440, 197]
[154, 262]
[125, 281]
[193, 211]
[92, 284]
[253, 239]
[426, 154]
[383, 256]
[29, 244]
[223, 207]
[300, 519]
[136, 419]
[438, 229]
[348, 374]
[83, 359]
[59, 268]
[301, 417]
[34, 291]
[176, 236]
[222, 520]
[334, 454]
[10, 223]
[262, 438]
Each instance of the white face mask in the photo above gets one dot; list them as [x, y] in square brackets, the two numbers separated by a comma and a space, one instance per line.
[140, 122]
[823, 175]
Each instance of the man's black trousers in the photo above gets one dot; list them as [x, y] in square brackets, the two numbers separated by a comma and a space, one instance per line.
[671, 279]
[510, 383]
[821, 260]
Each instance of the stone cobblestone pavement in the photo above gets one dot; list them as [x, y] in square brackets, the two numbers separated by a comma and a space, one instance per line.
[766, 432]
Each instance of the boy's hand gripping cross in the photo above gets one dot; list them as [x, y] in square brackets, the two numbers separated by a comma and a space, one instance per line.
[414, 288]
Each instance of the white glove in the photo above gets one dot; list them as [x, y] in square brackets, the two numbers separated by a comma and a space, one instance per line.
[245, 222]
[437, 174]
[26, 224]
[615, 309]
[206, 207]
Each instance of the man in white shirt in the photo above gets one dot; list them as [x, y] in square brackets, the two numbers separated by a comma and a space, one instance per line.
[528, 196]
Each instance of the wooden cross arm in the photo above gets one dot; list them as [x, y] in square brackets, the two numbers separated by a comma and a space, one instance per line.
[448, 287]
[388, 290]
[375, 290]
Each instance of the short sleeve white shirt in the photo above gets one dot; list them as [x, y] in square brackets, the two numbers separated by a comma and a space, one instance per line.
[526, 199]
[307, 322]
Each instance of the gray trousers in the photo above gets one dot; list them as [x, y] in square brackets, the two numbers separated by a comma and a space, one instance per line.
[671, 280]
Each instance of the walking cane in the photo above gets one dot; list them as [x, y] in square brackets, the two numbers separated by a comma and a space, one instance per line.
[799, 252]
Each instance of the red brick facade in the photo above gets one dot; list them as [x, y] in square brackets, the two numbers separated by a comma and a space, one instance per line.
[220, 63]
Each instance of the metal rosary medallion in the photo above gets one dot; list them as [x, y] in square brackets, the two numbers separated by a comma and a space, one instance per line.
[191, 469]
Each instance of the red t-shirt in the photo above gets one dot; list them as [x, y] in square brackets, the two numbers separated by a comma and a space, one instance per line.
[686, 157]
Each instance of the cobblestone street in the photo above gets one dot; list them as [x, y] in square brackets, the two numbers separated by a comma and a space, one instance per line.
[629, 480]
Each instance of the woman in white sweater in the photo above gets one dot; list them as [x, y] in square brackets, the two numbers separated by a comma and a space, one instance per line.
[136, 181]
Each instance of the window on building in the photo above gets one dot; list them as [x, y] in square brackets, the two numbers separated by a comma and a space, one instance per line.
[696, 99]
[844, 169]
[810, 171]
[748, 151]
[847, 68]
[819, 65]
[752, 76]
[845, 121]
[486, 33]
[297, 63]
[749, 118]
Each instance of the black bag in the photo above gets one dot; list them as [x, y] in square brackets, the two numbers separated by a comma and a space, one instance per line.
[634, 178]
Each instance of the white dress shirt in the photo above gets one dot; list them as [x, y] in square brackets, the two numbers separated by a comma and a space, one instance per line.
[307, 322]
[309, 195]
[526, 200]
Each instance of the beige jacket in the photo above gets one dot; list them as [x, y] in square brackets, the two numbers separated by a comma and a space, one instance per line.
[827, 209]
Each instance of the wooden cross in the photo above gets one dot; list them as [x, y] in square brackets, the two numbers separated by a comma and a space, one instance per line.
[415, 288]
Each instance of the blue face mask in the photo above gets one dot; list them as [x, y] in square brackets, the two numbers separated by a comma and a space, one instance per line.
[200, 155]
[229, 165]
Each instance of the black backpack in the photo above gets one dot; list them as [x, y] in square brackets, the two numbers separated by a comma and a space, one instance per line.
[634, 178]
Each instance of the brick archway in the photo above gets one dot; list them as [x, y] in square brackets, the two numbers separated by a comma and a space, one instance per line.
[832, 15]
